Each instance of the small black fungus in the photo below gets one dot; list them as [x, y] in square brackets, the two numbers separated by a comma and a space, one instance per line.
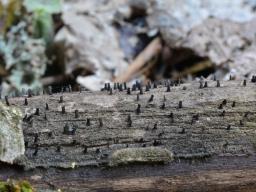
[63, 110]
[180, 104]
[88, 122]
[162, 106]
[61, 99]
[7, 101]
[37, 111]
[26, 101]
[128, 91]
[218, 83]
[76, 114]
[138, 110]
[151, 98]
[244, 83]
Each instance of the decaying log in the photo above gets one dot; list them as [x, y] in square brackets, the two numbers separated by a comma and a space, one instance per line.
[189, 137]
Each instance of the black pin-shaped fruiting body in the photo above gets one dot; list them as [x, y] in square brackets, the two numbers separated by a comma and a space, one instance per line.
[141, 91]
[224, 102]
[85, 149]
[147, 88]
[61, 99]
[223, 113]
[151, 98]
[125, 86]
[25, 118]
[168, 88]
[7, 101]
[36, 138]
[88, 122]
[26, 101]
[161, 134]
[120, 87]
[244, 83]
[155, 126]
[182, 131]
[45, 117]
[246, 114]
[115, 86]
[156, 143]
[220, 106]
[253, 80]
[63, 110]
[138, 97]
[138, 110]
[108, 86]
[46, 106]
[162, 106]
[50, 134]
[228, 127]
[58, 149]
[180, 105]
[128, 91]
[233, 104]
[241, 122]
[69, 129]
[37, 111]
[74, 142]
[26, 144]
[201, 85]
[154, 85]
[97, 151]
[205, 84]
[218, 83]
[35, 152]
[129, 121]
[195, 118]
[100, 122]
[76, 114]
[171, 117]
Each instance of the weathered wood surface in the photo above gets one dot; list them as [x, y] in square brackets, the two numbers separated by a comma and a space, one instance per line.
[213, 146]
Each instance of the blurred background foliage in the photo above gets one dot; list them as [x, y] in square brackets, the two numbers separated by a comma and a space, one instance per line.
[90, 42]
[26, 32]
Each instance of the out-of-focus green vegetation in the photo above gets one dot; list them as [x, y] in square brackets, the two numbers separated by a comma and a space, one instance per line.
[12, 186]
[26, 32]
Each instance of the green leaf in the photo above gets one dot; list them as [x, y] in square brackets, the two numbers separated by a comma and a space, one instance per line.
[49, 6]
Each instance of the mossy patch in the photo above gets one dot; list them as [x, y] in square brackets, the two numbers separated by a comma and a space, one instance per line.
[12, 186]
[140, 155]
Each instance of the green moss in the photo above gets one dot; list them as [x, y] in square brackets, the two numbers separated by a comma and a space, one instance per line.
[12, 186]
[141, 155]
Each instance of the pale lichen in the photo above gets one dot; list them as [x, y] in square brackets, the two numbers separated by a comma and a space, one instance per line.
[140, 155]
[11, 135]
